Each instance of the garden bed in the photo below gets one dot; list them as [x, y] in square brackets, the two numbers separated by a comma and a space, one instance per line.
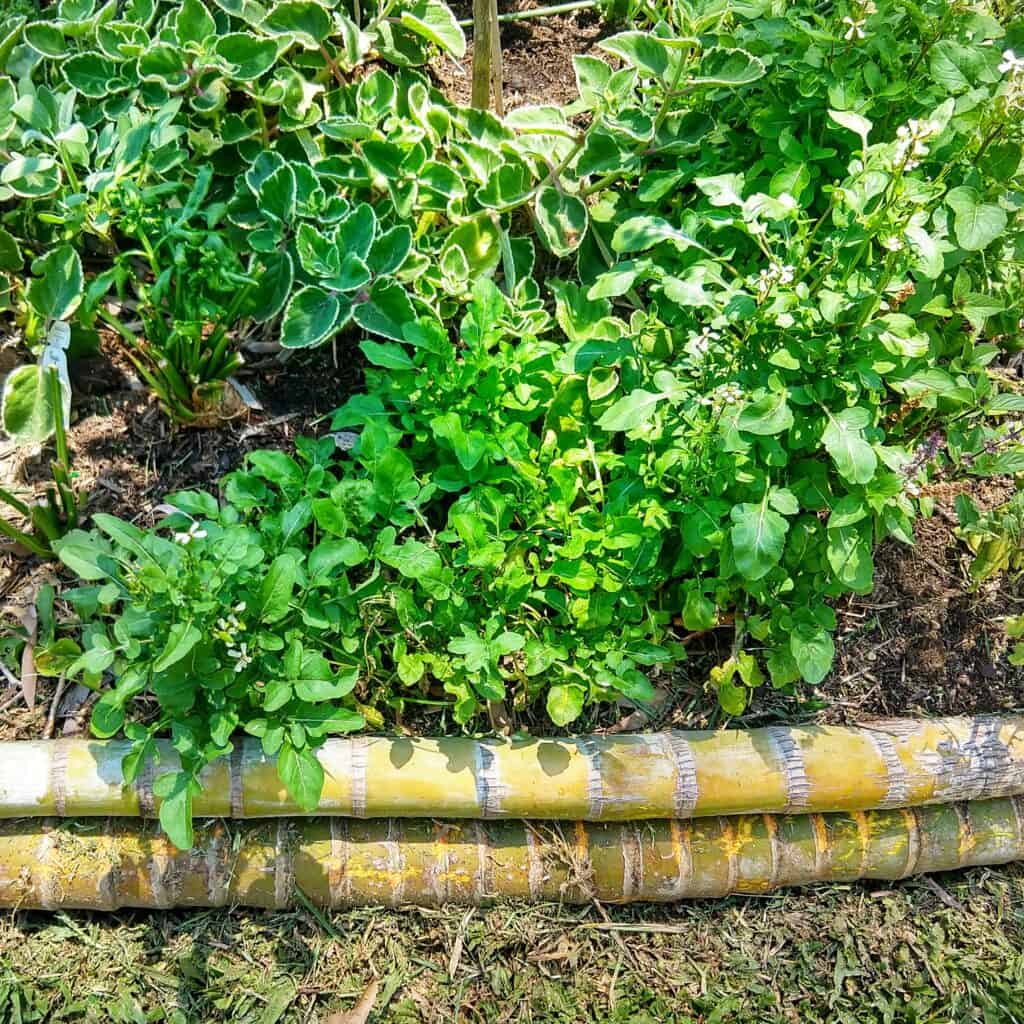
[627, 406]
[925, 641]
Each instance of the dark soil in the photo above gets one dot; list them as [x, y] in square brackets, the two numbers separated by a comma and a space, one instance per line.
[925, 641]
[536, 56]
[128, 455]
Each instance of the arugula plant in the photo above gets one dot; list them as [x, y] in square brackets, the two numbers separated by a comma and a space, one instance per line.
[229, 620]
[492, 521]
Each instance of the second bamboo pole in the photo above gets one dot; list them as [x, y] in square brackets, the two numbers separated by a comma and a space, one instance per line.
[106, 865]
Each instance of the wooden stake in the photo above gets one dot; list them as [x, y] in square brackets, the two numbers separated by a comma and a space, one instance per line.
[487, 85]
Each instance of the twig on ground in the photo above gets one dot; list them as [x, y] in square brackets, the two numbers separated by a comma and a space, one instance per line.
[51, 718]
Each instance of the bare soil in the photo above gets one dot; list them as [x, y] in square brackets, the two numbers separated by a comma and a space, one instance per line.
[536, 56]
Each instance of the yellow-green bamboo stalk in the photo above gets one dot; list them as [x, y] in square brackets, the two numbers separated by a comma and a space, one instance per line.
[597, 778]
[337, 862]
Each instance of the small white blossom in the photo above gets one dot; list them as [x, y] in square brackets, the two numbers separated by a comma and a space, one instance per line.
[228, 626]
[702, 342]
[856, 29]
[910, 141]
[782, 273]
[724, 394]
[893, 243]
[785, 272]
[241, 655]
[1012, 64]
[194, 532]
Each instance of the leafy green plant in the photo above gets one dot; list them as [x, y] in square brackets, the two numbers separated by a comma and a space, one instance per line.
[229, 621]
[1015, 631]
[58, 512]
[996, 537]
[123, 132]
[778, 251]
[197, 294]
[35, 403]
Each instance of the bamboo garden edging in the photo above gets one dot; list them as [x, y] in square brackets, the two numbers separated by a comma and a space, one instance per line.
[336, 862]
[800, 769]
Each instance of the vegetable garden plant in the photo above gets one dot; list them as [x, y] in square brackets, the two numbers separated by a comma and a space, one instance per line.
[682, 352]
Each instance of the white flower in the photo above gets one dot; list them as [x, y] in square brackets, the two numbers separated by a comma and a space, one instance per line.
[703, 342]
[241, 655]
[910, 141]
[194, 532]
[776, 272]
[724, 394]
[856, 29]
[893, 243]
[1012, 64]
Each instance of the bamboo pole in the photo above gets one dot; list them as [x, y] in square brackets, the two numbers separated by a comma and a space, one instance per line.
[539, 12]
[114, 863]
[799, 769]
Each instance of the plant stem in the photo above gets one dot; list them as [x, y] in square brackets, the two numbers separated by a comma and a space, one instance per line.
[332, 64]
[16, 503]
[57, 401]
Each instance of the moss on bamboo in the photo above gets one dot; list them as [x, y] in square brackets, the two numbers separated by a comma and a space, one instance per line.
[106, 864]
[597, 778]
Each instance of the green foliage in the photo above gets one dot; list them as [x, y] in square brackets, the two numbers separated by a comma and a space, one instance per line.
[193, 153]
[231, 620]
[35, 405]
[782, 248]
[996, 537]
